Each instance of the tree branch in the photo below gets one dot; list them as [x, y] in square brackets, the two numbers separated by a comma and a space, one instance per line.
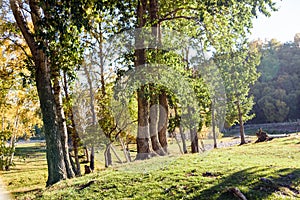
[177, 17]
[23, 25]
[35, 12]
[179, 9]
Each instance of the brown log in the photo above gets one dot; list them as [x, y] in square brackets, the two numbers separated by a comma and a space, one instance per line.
[263, 136]
[236, 192]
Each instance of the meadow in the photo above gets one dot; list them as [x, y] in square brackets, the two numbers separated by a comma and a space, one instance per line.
[268, 170]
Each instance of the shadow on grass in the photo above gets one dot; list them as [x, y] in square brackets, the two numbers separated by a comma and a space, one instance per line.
[255, 184]
[35, 192]
[30, 150]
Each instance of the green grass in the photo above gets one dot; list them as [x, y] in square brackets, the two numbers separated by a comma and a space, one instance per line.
[29, 174]
[181, 177]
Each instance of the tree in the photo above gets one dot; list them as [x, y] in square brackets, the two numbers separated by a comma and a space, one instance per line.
[239, 72]
[46, 70]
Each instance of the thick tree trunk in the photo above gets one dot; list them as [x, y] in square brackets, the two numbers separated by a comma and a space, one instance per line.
[55, 154]
[163, 121]
[154, 112]
[241, 122]
[143, 140]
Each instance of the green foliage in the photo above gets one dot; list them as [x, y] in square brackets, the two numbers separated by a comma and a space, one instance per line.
[277, 91]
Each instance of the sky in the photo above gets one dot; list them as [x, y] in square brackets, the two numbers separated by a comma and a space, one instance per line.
[282, 25]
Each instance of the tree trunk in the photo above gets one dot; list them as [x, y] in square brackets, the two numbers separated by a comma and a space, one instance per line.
[182, 135]
[13, 147]
[92, 106]
[154, 112]
[241, 122]
[73, 131]
[194, 140]
[107, 156]
[213, 123]
[86, 152]
[92, 159]
[125, 150]
[163, 121]
[62, 126]
[193, 133]
[115, 152]
[55, 154]
[13, 140]
[143, 145]
[143, 140]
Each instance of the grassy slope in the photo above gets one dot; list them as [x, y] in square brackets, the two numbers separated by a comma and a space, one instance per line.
[182, 177]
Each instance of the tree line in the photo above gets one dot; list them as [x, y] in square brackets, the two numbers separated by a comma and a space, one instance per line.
[276, 93]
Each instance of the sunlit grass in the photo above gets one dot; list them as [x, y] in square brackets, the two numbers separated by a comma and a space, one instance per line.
[181, 176]
[30, 171]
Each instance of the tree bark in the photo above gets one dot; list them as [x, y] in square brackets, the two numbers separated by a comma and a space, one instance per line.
[86, 152]
[92, 159]
[13, 140]
[194, 140]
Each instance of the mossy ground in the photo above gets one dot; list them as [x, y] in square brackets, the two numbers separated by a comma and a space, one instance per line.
[269, 170]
